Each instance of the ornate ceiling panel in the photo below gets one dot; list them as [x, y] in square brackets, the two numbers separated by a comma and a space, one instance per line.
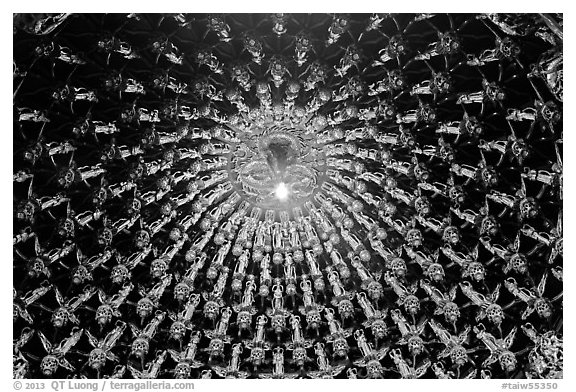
[288, 196]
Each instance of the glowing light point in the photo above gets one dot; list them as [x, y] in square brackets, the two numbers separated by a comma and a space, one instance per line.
[281, 191]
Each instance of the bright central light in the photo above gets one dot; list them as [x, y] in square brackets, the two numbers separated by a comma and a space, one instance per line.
[281, 191]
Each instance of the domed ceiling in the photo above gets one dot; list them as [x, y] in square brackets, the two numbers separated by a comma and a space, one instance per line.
[288, 196]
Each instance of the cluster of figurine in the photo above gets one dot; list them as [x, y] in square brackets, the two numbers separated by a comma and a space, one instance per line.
[431, 248]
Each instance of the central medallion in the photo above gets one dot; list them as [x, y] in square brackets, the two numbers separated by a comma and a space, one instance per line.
[280, 149]
[276, 166]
